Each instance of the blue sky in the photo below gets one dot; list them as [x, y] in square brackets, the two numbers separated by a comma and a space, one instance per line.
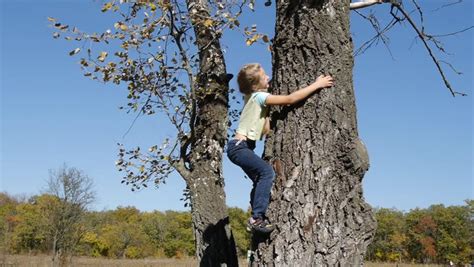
[419, 138]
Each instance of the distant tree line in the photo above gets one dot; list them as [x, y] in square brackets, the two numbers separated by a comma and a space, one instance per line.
[126, 232]
[437, 234]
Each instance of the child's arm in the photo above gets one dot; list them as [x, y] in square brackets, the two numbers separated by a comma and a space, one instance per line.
[321, 82]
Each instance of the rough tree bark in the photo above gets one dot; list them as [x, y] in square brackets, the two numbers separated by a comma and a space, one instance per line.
[317, 201]
[214, 241]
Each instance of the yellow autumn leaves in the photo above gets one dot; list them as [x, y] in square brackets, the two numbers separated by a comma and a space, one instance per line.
[120, 25]
[257, 37]
[113, 5]
[208, 23]
[253, 36]
[102, 56]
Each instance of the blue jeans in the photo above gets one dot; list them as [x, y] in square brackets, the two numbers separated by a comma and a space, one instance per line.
[259, 171]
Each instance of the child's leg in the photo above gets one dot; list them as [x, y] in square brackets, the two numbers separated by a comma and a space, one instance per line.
[262, 189]
[258, 170]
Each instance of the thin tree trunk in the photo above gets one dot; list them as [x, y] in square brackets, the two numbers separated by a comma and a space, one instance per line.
[214, 241]
[317, 201]
[54, 249]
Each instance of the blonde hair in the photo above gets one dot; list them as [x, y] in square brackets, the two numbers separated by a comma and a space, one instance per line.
[248, 77]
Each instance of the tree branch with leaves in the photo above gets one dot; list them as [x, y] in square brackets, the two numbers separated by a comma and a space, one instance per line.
[168, 55]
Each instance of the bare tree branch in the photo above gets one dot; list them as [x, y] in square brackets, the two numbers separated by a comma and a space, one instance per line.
[451, 66]
[453, 33]
[142, 110]
[366, 3]
[446, 5]
[424, 38]
[380, 34]
[420, 30]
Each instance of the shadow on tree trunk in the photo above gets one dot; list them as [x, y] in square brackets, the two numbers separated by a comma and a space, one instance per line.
[220, 239]
[257, 239]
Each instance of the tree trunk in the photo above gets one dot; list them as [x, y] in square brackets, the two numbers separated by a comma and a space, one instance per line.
[317, 203]
[214, 240]
[215, 244]
[55, 250]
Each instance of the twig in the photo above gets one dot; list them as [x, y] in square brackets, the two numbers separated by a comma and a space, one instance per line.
[453, 33]
[451, 66]
[446, 5]
[380, 34]
[136, 117]
[423, 39]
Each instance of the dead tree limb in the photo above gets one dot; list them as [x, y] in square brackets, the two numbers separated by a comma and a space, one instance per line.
[425, 38]
[396, 5]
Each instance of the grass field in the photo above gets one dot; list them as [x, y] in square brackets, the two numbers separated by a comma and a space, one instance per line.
[45, 261]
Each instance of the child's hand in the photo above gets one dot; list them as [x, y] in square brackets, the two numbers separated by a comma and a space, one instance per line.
[324, 81]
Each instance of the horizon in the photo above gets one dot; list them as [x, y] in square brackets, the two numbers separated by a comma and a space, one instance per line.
[23, 198]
